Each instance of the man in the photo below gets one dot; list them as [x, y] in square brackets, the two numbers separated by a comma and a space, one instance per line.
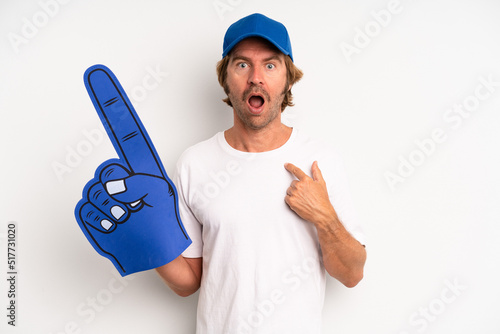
[263, 231]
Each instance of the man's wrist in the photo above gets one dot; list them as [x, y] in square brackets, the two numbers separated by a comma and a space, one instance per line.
[328, 222]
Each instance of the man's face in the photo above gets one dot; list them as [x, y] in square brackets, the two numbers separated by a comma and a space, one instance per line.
[256, 82]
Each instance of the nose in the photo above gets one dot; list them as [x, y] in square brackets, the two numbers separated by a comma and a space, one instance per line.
[256, 76]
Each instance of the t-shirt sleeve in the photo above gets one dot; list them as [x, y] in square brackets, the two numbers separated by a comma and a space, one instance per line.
[191, 224]
[341, 198]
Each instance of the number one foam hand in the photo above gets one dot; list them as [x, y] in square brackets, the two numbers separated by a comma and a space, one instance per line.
[129, 211]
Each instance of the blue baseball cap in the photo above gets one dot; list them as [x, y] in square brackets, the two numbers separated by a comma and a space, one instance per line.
[258, 25]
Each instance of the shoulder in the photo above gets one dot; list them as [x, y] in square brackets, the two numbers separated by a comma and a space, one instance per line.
[199, 152]
[317, 146]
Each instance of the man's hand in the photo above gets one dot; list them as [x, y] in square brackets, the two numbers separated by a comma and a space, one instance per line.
[343, 256]
[128, 212]
[308, 197]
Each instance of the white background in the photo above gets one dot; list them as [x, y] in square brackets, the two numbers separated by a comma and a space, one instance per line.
[439, 227]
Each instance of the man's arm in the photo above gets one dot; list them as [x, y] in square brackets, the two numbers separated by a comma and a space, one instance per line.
[182, 275]
[343, 256]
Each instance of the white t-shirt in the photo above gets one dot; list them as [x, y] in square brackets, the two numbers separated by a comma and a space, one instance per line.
[262, 265]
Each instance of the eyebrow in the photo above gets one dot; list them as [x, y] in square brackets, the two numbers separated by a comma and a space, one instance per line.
[236, 58]
[273, 57]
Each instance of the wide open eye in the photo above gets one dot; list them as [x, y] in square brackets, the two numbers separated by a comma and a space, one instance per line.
[270, 66]
[242, 65]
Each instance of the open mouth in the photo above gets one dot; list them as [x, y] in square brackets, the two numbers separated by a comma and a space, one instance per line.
[255, 102]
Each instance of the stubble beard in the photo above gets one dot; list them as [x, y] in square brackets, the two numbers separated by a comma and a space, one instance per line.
[257, 122]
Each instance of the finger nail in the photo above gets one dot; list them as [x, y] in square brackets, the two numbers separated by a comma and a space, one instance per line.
[115, 187]
[135, 203]
[106, 224]
[117, 212]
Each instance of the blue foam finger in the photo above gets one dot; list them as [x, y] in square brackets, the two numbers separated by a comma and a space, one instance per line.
[98, 196]
[124, 128]
[136, 185]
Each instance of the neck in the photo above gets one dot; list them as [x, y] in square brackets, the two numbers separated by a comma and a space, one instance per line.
[269, 138]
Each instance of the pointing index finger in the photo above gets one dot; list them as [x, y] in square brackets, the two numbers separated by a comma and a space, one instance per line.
[299, 174]
[124, 128]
